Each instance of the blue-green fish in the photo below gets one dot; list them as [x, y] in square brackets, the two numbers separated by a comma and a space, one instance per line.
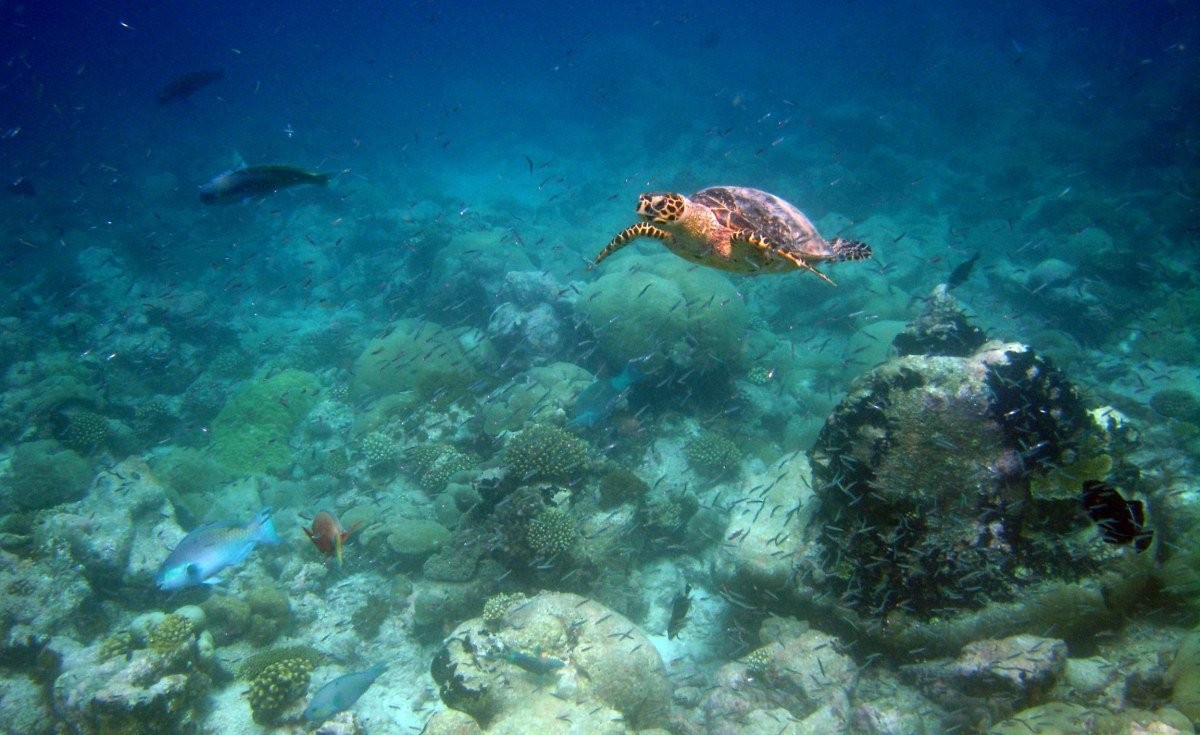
[597, 401]
[204, 552]
[341, 693]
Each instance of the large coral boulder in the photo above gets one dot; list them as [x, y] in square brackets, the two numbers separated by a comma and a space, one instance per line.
[934, 503]
[666, 313]
[551, 656]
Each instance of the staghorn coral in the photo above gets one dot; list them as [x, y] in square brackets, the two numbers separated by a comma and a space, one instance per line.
[551, 532]
[433, 465]
[546, 452]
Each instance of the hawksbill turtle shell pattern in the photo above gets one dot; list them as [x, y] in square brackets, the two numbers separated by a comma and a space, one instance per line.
[735, 229]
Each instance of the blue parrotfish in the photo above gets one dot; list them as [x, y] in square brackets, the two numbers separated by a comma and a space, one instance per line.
[341, 693]
[597, 401]
[204, 552]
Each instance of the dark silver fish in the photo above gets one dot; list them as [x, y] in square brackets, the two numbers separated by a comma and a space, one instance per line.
[257, 181]
[679, 610]
[961, 273]
[182, 87]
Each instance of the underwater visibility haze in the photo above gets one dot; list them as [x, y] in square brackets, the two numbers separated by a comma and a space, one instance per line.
[693, 368]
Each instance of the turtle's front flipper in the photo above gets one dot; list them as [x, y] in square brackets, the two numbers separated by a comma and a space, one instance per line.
[628, 235]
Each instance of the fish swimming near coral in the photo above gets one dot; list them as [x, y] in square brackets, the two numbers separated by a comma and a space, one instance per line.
[341, 693]
[961, 273]
[531, 663]
[186, 85]
[328, 535]
[598, 401]
[679, 610]
[207, 550]
[255, 182]
[1121, 521]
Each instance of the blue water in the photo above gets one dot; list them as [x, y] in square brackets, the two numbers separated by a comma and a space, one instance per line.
[1059, 142]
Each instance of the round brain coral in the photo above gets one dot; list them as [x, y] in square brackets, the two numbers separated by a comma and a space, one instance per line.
[663, 312]
[546, 452]
[415, 355]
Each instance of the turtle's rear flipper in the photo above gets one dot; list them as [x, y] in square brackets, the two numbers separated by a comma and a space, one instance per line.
[844, 249]
[628, 235]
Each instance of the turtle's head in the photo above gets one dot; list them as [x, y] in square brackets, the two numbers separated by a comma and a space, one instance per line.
[661, 207]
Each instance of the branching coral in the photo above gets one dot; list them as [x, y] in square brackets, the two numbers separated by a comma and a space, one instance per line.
[433, 464]
[546, 452]
[552, 532]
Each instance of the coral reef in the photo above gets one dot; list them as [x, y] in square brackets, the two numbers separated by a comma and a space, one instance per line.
[941, 329]
[712, 454]
[546, 452]
[938, 451]
[379, 449]
[540, 394]
[251, 432]
[560, 648]
[433, 464]
[552, 532]
[276, 687]
[170, 633]
[84, 431]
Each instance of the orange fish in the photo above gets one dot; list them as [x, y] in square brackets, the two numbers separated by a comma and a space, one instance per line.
[328, 535]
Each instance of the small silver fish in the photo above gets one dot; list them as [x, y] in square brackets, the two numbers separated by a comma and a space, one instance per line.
[341, 693]
[204, 552]
[245, 183]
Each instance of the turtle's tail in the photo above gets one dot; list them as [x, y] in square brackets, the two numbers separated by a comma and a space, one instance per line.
[844, 249]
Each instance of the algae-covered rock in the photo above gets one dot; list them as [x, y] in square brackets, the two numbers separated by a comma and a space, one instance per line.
[1184, 676]
[558, 649]
[540, 394]
[148, 693]
[45, 474]
[251, 432]
[118, 530]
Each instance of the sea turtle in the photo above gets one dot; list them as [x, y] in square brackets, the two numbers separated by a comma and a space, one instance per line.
[735, 228]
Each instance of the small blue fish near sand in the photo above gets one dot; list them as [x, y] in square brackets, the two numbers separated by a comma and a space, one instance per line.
[204, 552]
[341, 693]
[597, 401]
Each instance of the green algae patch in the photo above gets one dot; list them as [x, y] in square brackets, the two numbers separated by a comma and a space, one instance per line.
[251, 432]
